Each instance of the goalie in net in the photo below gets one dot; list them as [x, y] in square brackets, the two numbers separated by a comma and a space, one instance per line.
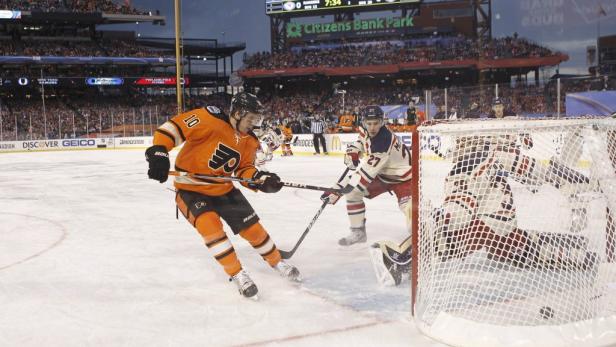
[478, 211]
[516, 231]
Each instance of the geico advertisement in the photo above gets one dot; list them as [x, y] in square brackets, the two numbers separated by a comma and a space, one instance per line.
[78, 143]
[45, 145]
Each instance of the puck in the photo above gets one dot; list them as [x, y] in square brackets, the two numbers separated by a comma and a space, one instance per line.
[546, 312]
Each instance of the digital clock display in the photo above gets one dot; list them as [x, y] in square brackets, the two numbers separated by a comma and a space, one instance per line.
[292, 6]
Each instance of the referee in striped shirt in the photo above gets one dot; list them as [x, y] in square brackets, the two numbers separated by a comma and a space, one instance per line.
[317, 126]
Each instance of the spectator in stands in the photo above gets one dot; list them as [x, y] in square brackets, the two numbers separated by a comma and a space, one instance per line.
[499, 111]
[317, 127]
[474, 111]
[411, 113]
[379, 53]
[83, 6]
[442, 113]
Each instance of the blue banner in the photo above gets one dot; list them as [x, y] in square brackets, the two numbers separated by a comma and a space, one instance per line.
[601, 103]
[399, 111]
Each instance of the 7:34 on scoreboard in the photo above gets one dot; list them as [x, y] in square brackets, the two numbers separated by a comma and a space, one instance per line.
[330, 3]
[291, 6]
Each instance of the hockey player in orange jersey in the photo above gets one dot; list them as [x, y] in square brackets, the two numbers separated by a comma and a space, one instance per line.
[220, 145]
[287, 135]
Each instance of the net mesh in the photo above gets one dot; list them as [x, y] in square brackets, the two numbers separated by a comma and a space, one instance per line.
[516, 224]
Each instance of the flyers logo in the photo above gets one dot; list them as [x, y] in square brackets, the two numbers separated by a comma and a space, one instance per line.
[224, 157]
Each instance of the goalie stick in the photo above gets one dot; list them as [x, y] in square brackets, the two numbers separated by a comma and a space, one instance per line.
[289, 254]
[217, 179]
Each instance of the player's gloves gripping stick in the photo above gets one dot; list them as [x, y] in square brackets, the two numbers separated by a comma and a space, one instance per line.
[351, 160]
[353, 182]
[330, 197]
[158, 159]
[270, 182]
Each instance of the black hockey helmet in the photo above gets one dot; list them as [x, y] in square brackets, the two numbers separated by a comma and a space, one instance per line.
[246, 102]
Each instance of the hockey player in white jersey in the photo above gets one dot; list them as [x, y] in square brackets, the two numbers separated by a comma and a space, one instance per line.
[385, 167]
[270, 139]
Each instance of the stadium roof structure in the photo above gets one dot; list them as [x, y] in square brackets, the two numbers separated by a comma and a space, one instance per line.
[209, 48]
[80, 18]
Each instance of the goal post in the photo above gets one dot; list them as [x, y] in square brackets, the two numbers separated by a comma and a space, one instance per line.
[513, 232]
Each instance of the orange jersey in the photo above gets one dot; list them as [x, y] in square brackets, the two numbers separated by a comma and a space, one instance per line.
[287, 132]
[211, 147]
[347, 122]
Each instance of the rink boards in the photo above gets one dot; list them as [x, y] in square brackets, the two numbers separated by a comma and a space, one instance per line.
[301, 144]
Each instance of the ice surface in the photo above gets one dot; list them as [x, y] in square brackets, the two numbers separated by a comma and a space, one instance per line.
[91, 255]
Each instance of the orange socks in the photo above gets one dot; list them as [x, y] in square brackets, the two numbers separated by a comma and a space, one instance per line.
[210, 228]
[261, 241]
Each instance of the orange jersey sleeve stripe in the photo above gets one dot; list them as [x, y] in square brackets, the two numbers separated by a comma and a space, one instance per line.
[179, 129]
[172, 130]
[163, 138]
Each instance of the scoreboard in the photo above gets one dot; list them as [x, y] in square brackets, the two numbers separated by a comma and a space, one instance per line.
[294, 6]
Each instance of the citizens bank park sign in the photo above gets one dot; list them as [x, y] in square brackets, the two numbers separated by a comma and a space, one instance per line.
[358, 27]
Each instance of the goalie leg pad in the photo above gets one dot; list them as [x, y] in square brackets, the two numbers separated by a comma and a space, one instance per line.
[496, 210]
[390, 261]
[382, 272]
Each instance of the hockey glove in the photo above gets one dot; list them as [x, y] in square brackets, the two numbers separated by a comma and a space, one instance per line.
[351, 160]
[158, 158]
[347, 189]
[330, 197]
[270, 182]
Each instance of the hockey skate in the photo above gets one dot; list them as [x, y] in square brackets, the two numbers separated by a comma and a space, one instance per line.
[245, 285]
[289, 271]
[358, 235]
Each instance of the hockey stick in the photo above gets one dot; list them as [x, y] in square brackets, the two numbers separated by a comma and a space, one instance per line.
[218, 179]
[289, 254]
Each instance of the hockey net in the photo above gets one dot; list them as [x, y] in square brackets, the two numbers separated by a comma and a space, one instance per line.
[517, 234]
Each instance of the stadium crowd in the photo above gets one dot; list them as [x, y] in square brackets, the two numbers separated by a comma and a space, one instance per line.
[137, 115]
[81, 48]
[84, 6]
[473, 101]
[385, 53]
[62, 117]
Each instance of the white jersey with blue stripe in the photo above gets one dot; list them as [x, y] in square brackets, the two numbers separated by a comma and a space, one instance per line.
[384, 157]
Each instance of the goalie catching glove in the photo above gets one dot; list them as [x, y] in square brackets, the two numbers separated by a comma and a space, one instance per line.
[158, 159]
[270, 182]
